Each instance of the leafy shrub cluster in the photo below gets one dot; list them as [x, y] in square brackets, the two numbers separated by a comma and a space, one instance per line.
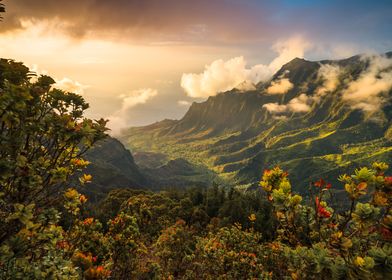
[49, 230]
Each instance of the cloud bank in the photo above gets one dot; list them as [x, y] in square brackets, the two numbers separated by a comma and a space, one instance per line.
[328, 74]
[369, 92]
[119, 119]
[222, 76]
[153, 20]
[217, 21]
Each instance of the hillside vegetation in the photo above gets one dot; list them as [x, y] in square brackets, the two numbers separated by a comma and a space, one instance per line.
[312, 130]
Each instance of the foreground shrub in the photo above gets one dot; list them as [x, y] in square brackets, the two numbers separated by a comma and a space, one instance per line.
[43, 136]
[316, 242]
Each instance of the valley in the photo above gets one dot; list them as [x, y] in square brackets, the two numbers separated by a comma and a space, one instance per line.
[235, 137]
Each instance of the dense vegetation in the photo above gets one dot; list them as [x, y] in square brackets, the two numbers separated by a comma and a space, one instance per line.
[49, 229]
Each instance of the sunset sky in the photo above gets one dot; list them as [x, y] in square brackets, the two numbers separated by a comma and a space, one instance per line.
[140, 61]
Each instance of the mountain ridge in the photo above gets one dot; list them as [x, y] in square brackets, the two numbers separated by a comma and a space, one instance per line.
[234, 135]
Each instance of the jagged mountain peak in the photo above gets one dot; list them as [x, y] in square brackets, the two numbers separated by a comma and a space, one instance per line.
[297, 70]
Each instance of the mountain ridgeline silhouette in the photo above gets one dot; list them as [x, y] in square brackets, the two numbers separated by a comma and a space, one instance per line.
[311, 129]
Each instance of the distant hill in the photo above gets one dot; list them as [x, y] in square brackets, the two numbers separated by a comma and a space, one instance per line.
[178, 173]
[311, 133]
[112, 166]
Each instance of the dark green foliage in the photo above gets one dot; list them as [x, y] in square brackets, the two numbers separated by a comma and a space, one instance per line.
[13, 72]
[196, 206]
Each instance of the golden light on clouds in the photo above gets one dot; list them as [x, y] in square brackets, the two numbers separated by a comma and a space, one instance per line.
[116, 47]
[109, 68]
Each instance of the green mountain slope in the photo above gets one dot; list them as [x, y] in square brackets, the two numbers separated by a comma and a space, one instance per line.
[232, 135]
[112, 166]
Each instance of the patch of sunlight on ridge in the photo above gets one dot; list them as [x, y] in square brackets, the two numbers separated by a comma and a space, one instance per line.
[309, 141]
[336, 158]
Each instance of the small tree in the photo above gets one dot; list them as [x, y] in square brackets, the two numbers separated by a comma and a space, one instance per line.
[43, 135]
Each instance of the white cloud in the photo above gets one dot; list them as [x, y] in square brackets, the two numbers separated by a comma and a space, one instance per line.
[329, 74]
[295, 46]
[280, 86]
[116, 124]
[136, 97]
[368, 92]
[275, 107]
[68, 85]
[119, 119]
[65, 84]
[222, 76]
[184, 103]
[298, 104]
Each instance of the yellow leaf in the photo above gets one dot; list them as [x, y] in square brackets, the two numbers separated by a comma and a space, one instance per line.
[348, 188]
[71, 193]
[337, 235]
[294, 276]
[252, 217]
[86, 178]
[359, 261]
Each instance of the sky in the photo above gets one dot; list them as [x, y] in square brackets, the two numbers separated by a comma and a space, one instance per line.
[141, 61]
